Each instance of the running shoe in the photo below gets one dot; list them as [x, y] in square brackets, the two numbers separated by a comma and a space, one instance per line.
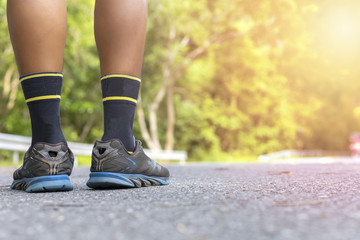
[46, 168]
[112, 166]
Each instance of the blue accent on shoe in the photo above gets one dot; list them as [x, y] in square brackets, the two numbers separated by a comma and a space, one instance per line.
[51, 183]
[125, 169]
[109, 180]
[134, 163]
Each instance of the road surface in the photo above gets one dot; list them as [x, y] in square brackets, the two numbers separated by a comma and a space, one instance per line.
[203, 201]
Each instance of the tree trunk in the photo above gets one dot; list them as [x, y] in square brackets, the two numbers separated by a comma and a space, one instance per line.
[170, 116]
[86, 129]
[153, 111]
[143, 128]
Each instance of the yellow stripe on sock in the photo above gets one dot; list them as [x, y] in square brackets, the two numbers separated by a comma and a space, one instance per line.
[121, 75]
[43, 98]
[41, 75]
[119, 98]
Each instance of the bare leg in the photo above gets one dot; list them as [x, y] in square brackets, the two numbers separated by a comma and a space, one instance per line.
[120, 29]
[38, 32]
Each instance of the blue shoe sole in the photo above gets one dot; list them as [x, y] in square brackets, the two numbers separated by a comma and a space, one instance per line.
[52, 183]
[108, 180]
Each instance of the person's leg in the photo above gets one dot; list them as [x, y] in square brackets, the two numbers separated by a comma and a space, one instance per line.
[118, 161]
[120, 29]
[38, 31]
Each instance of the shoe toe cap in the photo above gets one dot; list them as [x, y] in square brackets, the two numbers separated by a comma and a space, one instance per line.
[164, 172]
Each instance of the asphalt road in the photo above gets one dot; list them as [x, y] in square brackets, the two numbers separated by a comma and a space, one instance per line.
[203, 201]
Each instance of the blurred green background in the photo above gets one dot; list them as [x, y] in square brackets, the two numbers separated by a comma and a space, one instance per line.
[224, 80]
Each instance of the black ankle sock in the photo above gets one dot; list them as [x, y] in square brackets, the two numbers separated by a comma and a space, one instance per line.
[120, 93]
[42, 93]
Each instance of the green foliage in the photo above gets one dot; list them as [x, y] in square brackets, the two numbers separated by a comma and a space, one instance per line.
[250, 78]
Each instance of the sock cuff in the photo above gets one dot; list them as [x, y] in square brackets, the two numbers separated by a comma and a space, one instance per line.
[120, 87]
[42, 86]
[40, 75]
[114, 75]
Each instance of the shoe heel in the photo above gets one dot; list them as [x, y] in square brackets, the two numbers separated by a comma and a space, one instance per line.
[106, 180]
[52, 183]
[109, 180]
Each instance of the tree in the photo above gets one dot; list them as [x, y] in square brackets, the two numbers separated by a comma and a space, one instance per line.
[221, 79]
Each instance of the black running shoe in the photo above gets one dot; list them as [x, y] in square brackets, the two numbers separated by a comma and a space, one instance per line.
[114, 167]
[46, 168]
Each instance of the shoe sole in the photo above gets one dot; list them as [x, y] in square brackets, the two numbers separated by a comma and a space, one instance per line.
[53, 183]
[108, 180]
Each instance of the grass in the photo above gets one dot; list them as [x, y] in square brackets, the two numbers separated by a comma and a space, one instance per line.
[7, 163]
[6, 159]
[84, 160]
